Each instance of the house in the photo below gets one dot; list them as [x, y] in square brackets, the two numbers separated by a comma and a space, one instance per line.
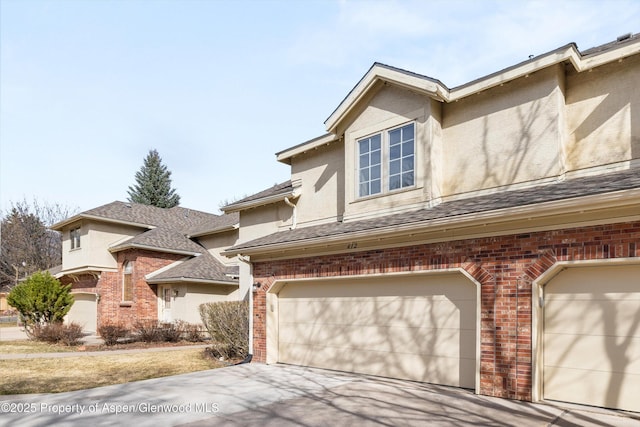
[485, 236]
[129, 262]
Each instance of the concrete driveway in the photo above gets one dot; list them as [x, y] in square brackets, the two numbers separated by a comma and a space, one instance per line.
[280, 395]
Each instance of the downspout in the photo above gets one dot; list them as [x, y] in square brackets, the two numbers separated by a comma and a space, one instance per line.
[247, 260]
[294, 219]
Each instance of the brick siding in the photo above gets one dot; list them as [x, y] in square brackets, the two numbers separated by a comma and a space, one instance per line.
[144, 304]
[505, 266]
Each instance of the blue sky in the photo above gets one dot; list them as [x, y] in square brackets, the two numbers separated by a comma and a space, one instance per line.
[87, 88]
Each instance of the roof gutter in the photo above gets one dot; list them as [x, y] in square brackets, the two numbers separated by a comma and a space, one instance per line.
[584, 204]
[153, 248]
[60, 225]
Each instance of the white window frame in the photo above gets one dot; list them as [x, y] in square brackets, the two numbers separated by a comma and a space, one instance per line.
[385, 162]
[127, 279]
[74, 237]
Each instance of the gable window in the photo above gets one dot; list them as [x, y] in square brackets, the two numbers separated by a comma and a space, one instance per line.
[74, 236]
[370, 165]
[127, 283]
[386, 161]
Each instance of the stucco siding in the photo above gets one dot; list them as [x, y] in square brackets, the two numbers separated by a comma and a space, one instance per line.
[95, 239]
[389, 108]
[321, 173]
[186, 304]
[264, 220]
[506, 135]
[603, 110]
[218, 242]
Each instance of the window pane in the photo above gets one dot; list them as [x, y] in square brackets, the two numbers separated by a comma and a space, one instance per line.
[364, 146]
[407, 132]
[375, 142]
[364, 190]
[375, 172]
[394, 167]
[364, 175]
[407, 164]
[375, 186]
[407, 148]
[364, 161]
[375, 157]
[407, 179]
[394, 182]
[394, 136]
[394, 152]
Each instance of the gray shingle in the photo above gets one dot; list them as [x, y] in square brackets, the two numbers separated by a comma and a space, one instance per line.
[503, 200]
[203, 267]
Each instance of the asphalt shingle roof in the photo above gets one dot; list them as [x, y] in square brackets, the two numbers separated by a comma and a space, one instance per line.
[203, 267]
[282, 188]
[162, 238]
[509, 199]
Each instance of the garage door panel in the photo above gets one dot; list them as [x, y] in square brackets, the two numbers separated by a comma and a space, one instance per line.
[392, 311]
[623, 355]
[420, 333]
[84, 312]
[430, 341]
[411, 366]
[618, 317]
[597, 388]
[592, 336]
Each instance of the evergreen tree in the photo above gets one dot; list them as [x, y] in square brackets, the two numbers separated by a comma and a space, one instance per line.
[153, 184]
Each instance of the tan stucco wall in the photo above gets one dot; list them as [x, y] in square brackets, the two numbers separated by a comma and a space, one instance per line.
[321, 171]
[185, 306]
[263, 220]
[95, 239]
[603, 110]
[390, 107]
[506, 135]
[218, 242]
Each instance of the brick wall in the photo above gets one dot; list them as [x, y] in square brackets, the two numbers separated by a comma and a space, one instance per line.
[505, 266]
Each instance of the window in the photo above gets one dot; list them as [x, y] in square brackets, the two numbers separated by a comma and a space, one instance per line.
[74, 236]
[127, 283]
[397, 156]
[370, 165]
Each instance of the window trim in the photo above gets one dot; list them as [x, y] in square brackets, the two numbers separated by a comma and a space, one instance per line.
[385, 162]
[127, 279]
[74, 238]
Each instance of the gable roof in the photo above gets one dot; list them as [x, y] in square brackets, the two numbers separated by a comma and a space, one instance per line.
[143, 216]
[491, 207]
[161, 239]
[203, 269]
[434, 88]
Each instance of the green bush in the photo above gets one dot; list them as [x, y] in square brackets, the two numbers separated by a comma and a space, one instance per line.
[57, 332]
[41, 300]
[112, 332]
[228, 325]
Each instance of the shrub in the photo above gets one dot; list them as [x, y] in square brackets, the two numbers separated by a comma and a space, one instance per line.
[193, 332]
[228, 325]
[69, 334]
[41, 299]
[148, 330]
[112, 332]
[171, 332]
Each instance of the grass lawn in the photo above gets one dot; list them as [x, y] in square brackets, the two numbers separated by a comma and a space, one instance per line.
[25, 347]
[21, 376]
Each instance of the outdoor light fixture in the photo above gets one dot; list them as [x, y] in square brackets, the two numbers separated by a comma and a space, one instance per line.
[256, 286]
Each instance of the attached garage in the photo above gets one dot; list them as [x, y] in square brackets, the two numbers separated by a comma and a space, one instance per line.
[420, 327]
[84, 311]
[591, 338]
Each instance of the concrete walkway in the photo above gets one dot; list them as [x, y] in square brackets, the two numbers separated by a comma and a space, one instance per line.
[282, 395]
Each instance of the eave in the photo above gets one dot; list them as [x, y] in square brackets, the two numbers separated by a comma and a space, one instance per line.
[438, 91]
[285, 156]
[60, 225]
[215, 231]
[87, 269]
[183, 279]
[274, 198]
[619, 206]
[153, 248]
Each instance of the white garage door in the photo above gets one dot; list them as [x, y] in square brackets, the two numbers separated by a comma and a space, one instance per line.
[420, 328]
[84, 311]
[592, 337]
